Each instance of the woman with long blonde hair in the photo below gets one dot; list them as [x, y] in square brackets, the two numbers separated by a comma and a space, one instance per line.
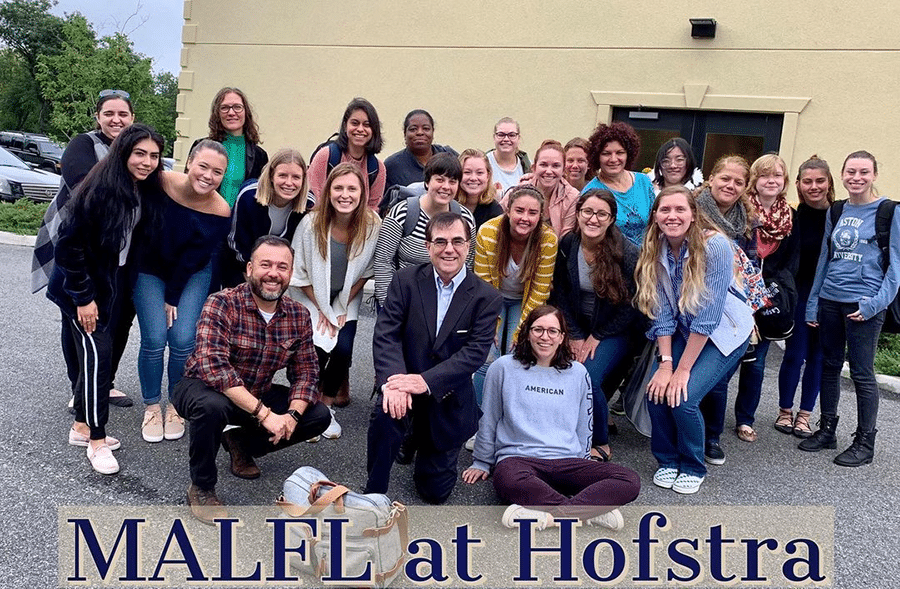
[333, 252]
[686, 286]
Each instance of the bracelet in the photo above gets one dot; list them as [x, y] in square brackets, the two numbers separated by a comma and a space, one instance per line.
[258, 407]
[263, 418]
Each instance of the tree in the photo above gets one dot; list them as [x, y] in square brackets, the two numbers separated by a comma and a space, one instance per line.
[72, 79]
[29, 30]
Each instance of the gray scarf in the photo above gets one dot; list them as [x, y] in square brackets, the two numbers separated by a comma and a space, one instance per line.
[733, 223]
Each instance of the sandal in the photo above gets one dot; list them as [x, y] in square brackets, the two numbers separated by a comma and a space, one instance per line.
[785, 421]
[601, 456]
[745, 433]
[801, 424]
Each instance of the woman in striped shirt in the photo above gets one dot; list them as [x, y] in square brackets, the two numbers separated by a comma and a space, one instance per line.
[401, 243]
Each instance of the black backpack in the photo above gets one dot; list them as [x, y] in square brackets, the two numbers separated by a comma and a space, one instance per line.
[883, 218]
[334, 158]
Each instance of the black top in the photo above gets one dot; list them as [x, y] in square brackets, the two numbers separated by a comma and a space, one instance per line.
[403, 168]
[809, 225]
[184, 246]
[486, 212]
[608, 319]
[782, 264]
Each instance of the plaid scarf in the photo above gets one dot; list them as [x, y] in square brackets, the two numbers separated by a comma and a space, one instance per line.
[774, 224]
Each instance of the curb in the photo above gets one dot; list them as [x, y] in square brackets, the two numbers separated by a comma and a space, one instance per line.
[7, 238]
[885, 382]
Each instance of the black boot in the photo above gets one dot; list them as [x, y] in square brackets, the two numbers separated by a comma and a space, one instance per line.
[860, 452]
[823, 438]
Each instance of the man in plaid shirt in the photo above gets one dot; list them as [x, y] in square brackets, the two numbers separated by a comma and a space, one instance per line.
[244, 336]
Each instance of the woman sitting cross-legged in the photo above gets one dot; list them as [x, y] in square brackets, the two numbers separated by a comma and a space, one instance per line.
[536, 433]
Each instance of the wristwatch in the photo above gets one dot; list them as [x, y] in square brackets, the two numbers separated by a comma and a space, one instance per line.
[660, 359]
[295, 414]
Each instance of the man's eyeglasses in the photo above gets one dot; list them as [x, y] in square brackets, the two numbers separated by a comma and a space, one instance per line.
[540, 331]
[456, 242]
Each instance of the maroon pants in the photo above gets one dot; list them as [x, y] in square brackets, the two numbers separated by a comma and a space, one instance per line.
[574, 487]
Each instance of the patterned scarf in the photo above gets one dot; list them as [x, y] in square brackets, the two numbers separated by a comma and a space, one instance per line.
[774, 224]
[733, 223]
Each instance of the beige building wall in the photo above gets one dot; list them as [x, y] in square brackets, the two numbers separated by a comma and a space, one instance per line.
[558, 67]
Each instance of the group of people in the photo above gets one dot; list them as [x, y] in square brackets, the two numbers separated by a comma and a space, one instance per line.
[512, 291]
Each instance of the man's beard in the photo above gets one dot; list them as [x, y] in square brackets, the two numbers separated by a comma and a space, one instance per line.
[256, 288]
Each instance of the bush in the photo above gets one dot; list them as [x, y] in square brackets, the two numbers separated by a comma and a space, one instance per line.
[22, 217]
[887, 356]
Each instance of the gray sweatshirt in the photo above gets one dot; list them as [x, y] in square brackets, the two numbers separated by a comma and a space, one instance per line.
[535, 413]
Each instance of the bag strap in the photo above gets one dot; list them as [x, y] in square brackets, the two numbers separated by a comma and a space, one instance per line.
[333, 497]
[883, 219]
[834, 211]
[372, 169]
[412, 215]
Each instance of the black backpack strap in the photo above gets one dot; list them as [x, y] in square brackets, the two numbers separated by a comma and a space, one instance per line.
[883, 219]
[372, 169]
[412, 215]
[334, 156]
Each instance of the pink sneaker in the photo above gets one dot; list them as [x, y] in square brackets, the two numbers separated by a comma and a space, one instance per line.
[102, 459]
[77, 439]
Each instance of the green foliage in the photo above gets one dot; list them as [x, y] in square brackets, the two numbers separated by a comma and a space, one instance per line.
[887, 356]
[22, 217]
[54, 68]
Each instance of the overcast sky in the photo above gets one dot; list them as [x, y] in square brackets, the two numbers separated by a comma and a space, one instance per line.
[159, 37]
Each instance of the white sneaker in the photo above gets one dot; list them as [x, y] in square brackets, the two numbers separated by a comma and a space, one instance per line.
[152, 426]
[514, 512]
[665, 477]
[687, 484]
[313, 440]
[102, 459]
[470, 444]
[611, 519]
[333, 431]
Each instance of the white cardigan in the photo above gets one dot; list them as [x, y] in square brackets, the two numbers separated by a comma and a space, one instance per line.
[311, 270]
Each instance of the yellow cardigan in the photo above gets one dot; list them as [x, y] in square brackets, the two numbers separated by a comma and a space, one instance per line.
[537, 287]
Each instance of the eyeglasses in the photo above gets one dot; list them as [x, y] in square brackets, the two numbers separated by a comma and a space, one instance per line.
[456, 242]
[510, 135]
[675, 161]
[540, 331]
[119, 93]
[237, 108]
[586, 214]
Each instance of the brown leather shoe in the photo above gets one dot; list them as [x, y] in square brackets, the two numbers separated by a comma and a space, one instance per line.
[242, 464]
[342, 399]
[205, 505]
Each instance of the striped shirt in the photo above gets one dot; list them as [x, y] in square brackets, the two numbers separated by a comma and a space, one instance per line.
[393, 251]
[536, 288]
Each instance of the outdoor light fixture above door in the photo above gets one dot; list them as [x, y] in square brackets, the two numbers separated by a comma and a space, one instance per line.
[703, 28]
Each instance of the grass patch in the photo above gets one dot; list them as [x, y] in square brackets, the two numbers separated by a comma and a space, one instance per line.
[887, 356]
[22, 217]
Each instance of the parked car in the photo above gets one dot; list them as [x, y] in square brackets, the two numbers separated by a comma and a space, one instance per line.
[38, 150]
[19, 180]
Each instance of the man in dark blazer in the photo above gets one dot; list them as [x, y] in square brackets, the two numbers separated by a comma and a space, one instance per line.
[435, 330]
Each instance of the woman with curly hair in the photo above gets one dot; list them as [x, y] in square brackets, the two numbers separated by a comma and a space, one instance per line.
[476, 189]
[535, 434]
[803, 350]
[358, 142]
[231, 124]
[686, 285]
[613, 151]
[593, 284]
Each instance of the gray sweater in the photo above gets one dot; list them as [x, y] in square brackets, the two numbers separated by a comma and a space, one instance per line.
[535, 413]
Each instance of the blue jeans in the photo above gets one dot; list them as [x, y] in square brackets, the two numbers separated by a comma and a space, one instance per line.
[509, 321]
[750, 385]
[860, 339]
[609, 354]
[149, 302]
[803, 347]
[714, 405]
[678, 432]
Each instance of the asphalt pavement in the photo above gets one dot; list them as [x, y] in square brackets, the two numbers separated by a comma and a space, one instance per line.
[41, 472]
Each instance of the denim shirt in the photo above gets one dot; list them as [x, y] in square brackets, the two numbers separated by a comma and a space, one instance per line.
[722, 316]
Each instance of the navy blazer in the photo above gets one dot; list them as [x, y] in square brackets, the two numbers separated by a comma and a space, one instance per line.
[405, 342]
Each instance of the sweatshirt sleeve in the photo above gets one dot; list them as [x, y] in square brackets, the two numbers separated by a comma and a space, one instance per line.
[812, 304]
[888, 291]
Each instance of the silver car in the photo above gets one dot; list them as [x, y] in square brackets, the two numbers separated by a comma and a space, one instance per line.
[19, 180]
